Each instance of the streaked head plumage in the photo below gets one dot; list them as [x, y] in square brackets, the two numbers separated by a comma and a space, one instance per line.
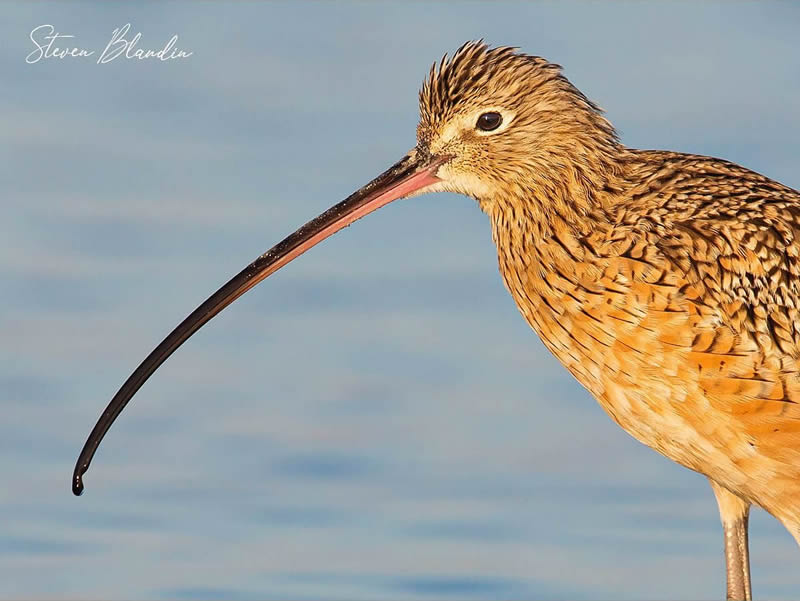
[545, 124]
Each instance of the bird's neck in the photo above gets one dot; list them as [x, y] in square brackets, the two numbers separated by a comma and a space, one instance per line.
[546, 250]
[569, 201]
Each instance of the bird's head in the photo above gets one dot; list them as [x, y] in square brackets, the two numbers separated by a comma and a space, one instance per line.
[507, 125]
[494, 124]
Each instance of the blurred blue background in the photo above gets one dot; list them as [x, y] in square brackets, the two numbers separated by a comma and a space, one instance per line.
[376, 421]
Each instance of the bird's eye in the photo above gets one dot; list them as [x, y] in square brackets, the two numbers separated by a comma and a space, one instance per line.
[489, 121]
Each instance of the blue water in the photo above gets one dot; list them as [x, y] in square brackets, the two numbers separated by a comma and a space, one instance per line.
[376, 421]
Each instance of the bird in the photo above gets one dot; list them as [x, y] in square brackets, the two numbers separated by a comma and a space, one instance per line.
[667, 284]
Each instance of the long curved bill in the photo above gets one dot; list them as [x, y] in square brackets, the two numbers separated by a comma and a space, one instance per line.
[411, 174]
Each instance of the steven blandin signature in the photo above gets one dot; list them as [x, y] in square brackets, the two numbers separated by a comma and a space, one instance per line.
[45, 38]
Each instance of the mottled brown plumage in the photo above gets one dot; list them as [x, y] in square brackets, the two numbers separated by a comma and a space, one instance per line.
[666, 283]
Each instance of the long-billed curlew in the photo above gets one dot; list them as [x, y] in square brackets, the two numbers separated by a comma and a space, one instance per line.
[668, 284]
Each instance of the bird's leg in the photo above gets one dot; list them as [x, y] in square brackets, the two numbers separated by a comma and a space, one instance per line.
[734, 513]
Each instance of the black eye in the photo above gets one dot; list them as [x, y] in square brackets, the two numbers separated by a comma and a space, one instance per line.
[489, 121]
